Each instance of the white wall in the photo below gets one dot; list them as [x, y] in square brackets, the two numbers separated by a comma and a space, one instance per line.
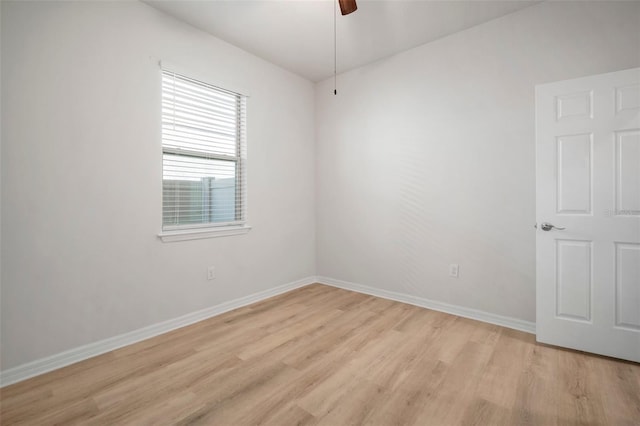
[81, 176]
[427, 158]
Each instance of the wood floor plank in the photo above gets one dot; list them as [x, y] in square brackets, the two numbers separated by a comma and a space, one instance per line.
[620, 392]
[325, 356]
[418, 390]
[506, 369]
[458, 386]
[164, 411]
[294, 416]
[228, 399]
[531, 387]
[302, 327]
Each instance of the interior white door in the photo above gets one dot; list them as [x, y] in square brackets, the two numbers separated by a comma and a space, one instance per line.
[588, 182]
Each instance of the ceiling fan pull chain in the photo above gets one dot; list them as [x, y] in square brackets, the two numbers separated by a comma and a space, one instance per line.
[335, 50]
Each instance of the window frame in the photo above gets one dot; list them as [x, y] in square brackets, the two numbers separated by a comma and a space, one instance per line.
[184, 232]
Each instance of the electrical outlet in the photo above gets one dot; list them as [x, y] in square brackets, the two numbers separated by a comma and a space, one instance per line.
[454, 269]
[211, 273]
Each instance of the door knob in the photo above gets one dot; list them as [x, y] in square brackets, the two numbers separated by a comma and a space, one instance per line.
[546, 226]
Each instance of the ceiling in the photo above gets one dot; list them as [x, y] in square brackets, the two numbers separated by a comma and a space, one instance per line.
[298, 34]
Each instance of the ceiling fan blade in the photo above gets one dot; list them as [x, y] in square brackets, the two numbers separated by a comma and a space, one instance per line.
[348, 6]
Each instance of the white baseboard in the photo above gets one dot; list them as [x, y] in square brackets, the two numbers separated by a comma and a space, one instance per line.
[81, 353]
[53, 362]
[509, 322]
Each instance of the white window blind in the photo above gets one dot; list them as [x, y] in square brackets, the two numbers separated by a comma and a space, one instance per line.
[203, 154]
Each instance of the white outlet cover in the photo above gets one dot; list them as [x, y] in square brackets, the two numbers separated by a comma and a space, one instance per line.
[454, 270]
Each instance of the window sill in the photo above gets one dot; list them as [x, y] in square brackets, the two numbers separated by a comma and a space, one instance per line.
[200, 233]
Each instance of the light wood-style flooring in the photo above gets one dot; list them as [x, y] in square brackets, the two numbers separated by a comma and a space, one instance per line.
[324, 356]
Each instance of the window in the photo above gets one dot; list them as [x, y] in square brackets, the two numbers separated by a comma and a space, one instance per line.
[203, 155]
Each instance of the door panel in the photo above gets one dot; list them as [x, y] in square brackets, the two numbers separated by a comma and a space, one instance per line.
[574, 173]
[573, 279]
[627, 289]
[574, 105]
[627, 97]
[588, 182]
[628, 172]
